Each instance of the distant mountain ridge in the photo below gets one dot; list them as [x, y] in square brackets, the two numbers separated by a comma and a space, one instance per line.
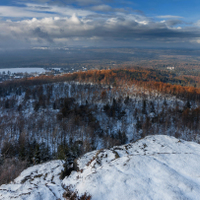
[156, 167]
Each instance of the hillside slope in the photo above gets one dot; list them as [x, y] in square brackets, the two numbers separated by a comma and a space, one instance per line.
[156, 167]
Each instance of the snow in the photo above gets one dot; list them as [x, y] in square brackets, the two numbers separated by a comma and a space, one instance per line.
[35, 183]
[23, 70]
[156, 167]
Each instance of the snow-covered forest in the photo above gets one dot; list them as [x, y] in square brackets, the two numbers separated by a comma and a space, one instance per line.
[64, 120]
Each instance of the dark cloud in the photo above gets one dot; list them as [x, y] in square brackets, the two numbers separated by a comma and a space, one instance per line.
[43, 7]
[174, 22]
[37, 32]
[119, 29]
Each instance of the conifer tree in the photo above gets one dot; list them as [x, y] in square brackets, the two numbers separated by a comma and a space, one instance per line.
[37, 157]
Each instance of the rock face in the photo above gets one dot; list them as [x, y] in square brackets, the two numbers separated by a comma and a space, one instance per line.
[156, 167]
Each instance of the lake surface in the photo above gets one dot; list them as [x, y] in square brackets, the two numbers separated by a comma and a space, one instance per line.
[23, 70]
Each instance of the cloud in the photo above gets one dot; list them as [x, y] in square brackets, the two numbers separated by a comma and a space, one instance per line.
[67, 2]
[44, 24]
[197, 23]
[173, 22]
[34, 10]
[168, 16]
[42, 34]
[103, 8]
[42, 8]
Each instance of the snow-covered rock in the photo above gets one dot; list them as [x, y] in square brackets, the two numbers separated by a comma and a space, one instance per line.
[40, 182]
[156, 167]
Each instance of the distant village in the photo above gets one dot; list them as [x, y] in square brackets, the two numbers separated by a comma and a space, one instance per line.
[171, 68]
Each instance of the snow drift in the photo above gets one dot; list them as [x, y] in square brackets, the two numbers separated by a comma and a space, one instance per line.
[156, 167]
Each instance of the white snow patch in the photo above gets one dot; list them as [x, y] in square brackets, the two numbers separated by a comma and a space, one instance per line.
[35, 183]
[156, 167]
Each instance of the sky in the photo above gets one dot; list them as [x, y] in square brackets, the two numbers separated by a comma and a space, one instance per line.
[99, 23]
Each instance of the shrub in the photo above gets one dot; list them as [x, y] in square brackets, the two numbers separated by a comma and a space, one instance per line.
[10, 169]
[69, 194]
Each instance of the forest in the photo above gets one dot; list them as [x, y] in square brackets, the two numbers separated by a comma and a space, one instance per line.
[62, 117]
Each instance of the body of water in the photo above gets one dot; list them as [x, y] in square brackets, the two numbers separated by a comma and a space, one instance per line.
[23, 70]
